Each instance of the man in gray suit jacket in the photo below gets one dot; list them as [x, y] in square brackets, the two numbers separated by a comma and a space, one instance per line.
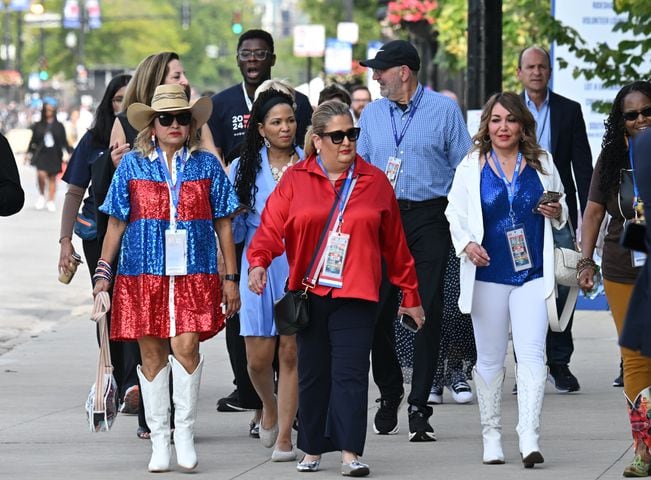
[560, 129]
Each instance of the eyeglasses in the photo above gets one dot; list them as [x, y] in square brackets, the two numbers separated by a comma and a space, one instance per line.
[338, 135]
[166, 119]
[630, 116]
[245, 55]
[117, 99]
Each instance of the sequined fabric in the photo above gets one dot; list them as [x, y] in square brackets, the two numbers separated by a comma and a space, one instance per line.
[495, 210]
[139, 195]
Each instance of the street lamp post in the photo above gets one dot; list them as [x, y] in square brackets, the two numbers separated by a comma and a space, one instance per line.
[6, 35]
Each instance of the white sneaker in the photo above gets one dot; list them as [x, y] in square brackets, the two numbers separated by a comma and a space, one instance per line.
[435, 396]
[40, 203]
[51, 207]
[461, 392]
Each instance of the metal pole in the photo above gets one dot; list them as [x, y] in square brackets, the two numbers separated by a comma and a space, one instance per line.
[493, 51]
[475, 88]
[83, 23]
[348, 10]
[6, 36]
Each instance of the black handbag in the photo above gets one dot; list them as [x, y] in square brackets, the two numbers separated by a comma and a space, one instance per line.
[292, 310]
[633, 236]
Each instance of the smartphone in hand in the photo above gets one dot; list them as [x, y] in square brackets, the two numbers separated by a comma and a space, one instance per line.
[547, 197]
[409, 323]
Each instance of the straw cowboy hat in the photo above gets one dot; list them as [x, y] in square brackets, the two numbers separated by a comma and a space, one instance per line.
[169, 98]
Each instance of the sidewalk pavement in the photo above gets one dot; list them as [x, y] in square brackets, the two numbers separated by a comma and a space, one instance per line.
[50, 354]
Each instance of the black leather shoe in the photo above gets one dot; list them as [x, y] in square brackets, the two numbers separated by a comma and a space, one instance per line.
[562, 379]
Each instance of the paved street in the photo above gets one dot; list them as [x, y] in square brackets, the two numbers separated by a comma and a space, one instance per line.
[48, 355]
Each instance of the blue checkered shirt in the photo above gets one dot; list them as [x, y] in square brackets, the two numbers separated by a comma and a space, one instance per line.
[434, 144]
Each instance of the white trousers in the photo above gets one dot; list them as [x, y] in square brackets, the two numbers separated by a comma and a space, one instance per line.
[495, 305]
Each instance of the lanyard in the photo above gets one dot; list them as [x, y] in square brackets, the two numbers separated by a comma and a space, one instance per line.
[345, 191]
[512, 186]
[412, 112]
[249, 103]
[175, 188]
[636, 192]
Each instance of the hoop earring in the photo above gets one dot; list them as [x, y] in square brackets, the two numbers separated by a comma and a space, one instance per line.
[266, 142]
[523, 138]
[486, 139]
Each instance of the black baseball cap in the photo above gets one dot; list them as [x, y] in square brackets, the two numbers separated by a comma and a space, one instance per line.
[394, 54]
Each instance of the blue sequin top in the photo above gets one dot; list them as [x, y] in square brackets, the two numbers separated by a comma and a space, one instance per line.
[495, 209]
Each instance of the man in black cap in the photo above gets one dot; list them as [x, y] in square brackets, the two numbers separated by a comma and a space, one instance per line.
[429, 138]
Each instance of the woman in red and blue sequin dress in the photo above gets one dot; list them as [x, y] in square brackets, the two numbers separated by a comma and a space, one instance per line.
[166, 202]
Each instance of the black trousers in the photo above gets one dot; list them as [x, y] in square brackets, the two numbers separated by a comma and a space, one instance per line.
[248, 398]
[428, 236]
[333, 365]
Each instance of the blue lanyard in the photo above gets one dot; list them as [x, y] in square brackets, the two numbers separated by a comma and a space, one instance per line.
[343, 193]
[512, 186]
[412, 112]
[636, 192]
[175, 188]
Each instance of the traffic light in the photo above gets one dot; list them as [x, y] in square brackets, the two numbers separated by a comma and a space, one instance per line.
[42, 69]
[236, 22]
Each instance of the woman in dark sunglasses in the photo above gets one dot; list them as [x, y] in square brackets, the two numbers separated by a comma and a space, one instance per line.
[166, 202]
[336, 196]
[612, 190]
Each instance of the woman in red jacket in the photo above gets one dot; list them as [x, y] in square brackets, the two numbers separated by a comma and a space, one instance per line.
[333, 351]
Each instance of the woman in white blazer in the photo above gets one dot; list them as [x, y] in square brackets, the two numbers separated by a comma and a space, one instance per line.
[503, 236]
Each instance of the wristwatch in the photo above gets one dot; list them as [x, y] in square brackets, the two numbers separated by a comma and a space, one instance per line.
[233, 277]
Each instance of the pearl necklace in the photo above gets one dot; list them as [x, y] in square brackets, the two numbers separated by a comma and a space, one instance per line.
[277, 173]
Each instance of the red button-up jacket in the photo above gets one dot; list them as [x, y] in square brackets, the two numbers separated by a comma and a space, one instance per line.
[296, 213]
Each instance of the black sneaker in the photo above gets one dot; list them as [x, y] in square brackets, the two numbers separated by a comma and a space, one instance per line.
[386, 418]
[231, 403]
[619, 381]
[419, 428]
[562, 379]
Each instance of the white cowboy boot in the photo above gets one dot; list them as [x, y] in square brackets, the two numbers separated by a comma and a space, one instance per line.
[156, 399]
[531, 391]
[489, 398]
[185, 396]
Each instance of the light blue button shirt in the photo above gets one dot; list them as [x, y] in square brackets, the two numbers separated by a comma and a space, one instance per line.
[543, 127]
[434, 143]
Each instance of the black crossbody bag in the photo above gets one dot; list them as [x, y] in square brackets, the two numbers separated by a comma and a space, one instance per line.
[291, 311]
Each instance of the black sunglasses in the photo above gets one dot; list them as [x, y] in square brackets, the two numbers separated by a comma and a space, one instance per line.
[166, 119]
[338, 135]
[630, 116]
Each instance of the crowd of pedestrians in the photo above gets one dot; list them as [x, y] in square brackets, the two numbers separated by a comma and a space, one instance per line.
[386, 213]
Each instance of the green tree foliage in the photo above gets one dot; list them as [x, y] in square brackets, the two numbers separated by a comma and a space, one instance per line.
[626, 61]
[132, 30]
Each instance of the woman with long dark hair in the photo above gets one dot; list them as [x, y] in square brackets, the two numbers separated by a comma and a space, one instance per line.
[45, 149]
[629, 115]
[269, 149]
[78, 176]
